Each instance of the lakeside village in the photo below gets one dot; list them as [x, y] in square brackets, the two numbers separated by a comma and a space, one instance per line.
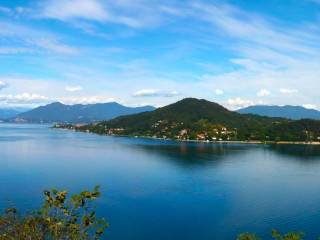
[162, 129]
[202, 130]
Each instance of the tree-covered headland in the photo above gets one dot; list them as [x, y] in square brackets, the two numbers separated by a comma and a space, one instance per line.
[194, 119]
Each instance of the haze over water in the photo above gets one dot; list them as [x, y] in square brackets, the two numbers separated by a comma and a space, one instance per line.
[166, 190]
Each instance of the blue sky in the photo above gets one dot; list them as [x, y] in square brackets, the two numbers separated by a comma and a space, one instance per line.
[139, 52]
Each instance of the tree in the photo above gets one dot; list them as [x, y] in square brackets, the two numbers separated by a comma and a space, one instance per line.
[289, 236]
[60, 218]
[275, 235]
[248, 236]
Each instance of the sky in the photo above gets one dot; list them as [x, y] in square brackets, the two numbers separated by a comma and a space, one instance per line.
[147, 52]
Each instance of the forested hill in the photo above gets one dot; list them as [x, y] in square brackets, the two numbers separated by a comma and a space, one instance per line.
[198, 119]
[189, 111]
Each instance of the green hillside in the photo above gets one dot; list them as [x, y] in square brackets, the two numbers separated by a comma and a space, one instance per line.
[194, 119]
[300, 130]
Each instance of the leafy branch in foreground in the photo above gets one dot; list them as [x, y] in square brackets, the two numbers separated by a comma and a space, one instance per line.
[60, 217]
[275, 235]
[74, 218]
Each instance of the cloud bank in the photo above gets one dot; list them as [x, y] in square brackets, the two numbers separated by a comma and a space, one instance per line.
[140, 51]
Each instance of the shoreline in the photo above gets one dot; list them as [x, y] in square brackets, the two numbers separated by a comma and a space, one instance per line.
[253, 142]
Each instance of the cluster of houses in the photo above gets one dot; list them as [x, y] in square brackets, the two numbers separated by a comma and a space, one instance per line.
[114, 131]
[212, 133]
[215, 134]
[311, 136]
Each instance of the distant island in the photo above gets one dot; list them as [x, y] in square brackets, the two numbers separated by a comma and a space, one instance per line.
[78, 113]
[200, 120]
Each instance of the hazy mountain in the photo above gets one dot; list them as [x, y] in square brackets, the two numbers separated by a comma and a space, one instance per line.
[58, 112]
[11, 112]
[291, 112]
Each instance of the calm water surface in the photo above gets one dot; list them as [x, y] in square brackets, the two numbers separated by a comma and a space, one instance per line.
[166, 190]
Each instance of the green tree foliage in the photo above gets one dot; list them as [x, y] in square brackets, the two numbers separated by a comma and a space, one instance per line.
[60, 218]
[74, 218]
[289, 236]
[248, 236]
[275, 235]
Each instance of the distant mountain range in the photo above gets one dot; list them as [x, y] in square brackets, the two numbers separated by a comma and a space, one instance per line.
[199, 119]
[291, 112]
[189, 111]
[58, 112]
[6, 113]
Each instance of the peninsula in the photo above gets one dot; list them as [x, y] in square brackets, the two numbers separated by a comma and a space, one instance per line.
[194, 119]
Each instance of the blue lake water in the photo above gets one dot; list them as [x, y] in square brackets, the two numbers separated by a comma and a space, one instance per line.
[166, 190]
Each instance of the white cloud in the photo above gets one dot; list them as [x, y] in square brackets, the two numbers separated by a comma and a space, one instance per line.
[2, 85]
[14, 50]
[85, 100]
[24, 98]
[5, 10]
[263, 93]
[310, 106]
[219, 92]
[32, 40]
[68, 9]
[252, 28]
[293, 60]
[315, 1]
[288, 91]
[155, 93]
[13, 11]
[73, 88]
[134, 14]
[53, 45]
[236, 103]
[21, 10]
[146, 93]
[170, 94]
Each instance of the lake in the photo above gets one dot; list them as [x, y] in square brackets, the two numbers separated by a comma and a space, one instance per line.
[156, 189]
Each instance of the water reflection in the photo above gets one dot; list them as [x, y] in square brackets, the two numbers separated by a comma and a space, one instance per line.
[197, 154]
[298, 152]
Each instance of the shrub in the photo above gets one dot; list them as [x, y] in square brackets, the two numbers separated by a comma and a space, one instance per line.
[275, 235]
[60, 218]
